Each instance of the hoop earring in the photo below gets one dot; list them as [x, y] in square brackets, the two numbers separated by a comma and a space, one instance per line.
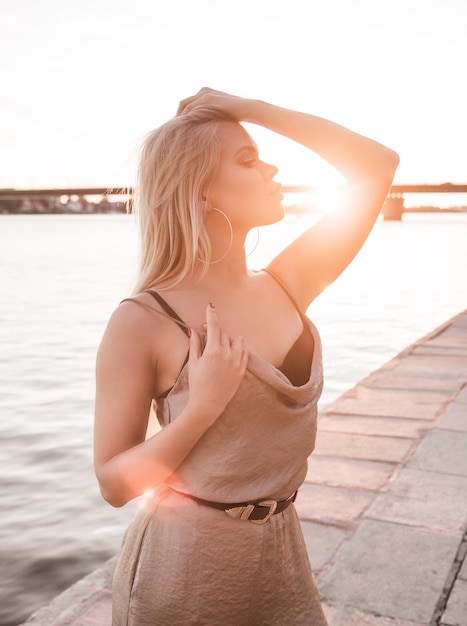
[256, 244]
[229, 223]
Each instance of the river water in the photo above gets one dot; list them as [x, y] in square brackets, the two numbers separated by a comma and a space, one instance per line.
[62, 276]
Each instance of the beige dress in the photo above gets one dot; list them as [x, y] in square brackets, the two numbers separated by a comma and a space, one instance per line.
[184, 563]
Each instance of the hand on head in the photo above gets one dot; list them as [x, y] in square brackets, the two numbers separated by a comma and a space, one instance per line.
[234, 106]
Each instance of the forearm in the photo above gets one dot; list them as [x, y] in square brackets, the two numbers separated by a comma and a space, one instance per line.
[148, 464]
[126, 462]
[356, 157]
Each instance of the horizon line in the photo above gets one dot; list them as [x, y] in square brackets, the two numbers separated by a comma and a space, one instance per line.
[399, 188]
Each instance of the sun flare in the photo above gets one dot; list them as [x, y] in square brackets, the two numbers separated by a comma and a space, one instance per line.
[319, 200]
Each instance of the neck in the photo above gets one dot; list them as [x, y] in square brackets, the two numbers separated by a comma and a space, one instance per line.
[232, 268]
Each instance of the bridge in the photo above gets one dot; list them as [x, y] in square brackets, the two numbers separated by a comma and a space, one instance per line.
[393, 208]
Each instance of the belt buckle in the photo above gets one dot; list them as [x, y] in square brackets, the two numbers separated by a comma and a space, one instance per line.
[272, 504]
[244, 512]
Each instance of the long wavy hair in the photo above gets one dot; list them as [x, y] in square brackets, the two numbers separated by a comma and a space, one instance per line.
[176, 164]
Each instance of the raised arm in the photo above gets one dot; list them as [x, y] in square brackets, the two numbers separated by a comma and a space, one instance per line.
[317, 257]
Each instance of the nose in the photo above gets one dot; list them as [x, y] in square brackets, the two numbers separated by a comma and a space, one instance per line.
[269, 170]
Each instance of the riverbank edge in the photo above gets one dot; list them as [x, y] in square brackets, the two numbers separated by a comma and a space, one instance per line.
[420, 392]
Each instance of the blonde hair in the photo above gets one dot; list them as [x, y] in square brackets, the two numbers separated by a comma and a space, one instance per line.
[177, 162]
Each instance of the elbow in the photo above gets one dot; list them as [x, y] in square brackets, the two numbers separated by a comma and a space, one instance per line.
[112, 497]
[385, 167]
[379, 168]
[112, 490]
[394, 159]
[390, 162]
[394, 163]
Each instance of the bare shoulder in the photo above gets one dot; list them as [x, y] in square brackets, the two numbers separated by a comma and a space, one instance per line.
[138, 324]
[125, 342]
[142, 343]
[133, 318]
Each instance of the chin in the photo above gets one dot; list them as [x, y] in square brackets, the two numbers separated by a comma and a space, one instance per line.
[277, 215]
[271, 215]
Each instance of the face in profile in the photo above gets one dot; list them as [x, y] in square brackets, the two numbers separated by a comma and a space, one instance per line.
[244, 186]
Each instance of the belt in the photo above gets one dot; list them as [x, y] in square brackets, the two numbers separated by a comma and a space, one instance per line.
[255, 512]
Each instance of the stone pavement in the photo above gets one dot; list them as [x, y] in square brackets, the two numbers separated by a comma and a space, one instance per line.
[384, 506]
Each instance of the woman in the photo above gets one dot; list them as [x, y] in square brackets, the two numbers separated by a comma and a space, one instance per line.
[230, 364]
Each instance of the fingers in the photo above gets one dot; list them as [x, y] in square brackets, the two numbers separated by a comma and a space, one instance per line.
[204, 96]
[195, 346]
[216, 372]
[185, 104]
[212, 327]
[240, 353]
[217, 337]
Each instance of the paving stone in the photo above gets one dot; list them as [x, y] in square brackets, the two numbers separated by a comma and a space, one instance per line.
[427, 514]
[452, 337]
[419, 484]
[463, 571]
[424, 499]
[388, 449]
[388, 379]
[454, 418]
[369, 425]
[390, 570]
[442, 451]
[322, 541]
[351, 473]
[459, 320]
[347, 616]
[456, 610]
[436, 351]
[422, 364]
[415, 404]
[331, 505]
[462, 397]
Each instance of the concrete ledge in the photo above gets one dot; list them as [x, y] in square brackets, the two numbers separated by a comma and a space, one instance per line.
[86, 603]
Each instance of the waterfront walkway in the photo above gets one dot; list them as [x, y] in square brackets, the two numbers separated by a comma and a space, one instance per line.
[384, 506]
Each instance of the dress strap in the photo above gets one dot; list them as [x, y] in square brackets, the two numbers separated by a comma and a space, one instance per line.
[168, 309]
[280, 282]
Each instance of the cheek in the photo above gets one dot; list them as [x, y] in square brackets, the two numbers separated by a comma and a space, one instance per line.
[232, 189]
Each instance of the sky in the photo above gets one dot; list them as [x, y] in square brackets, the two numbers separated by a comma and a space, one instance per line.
[83, 81]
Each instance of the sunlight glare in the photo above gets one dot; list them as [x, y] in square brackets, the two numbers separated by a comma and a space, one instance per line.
[326, 199]
[319, 200]
[143, 501]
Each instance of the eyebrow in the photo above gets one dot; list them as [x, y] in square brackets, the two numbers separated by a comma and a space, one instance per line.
[249, 148]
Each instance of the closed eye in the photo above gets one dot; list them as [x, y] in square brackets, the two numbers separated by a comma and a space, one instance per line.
[248, 155]
[248, 161]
